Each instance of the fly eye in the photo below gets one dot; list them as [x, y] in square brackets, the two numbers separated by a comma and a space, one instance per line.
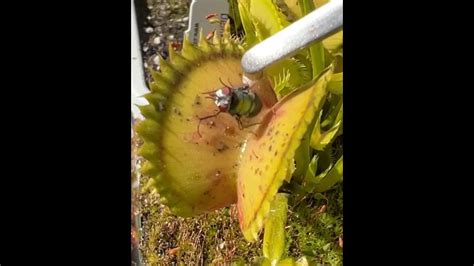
[226, 91]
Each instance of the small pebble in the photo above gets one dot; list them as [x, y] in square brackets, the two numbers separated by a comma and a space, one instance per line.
[157, 40]
[149, 30]
[164, 13]
[156, 60]
[171, 37]
[162, 7]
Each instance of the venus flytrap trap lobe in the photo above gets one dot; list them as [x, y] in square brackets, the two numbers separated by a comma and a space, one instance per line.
[177, 157]
[265, 161]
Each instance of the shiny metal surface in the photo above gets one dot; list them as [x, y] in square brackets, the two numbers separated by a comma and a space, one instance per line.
[313, 27]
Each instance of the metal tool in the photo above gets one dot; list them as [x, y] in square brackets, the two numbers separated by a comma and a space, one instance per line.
[313, 27]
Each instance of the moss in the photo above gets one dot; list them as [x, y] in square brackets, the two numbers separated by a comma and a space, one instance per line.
[314, 230]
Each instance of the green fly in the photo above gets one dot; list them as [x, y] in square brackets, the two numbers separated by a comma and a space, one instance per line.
[238, 102]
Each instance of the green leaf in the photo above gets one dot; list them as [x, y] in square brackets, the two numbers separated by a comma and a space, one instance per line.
[281, 82]
[326, 158]
[334, 42]
[320, 140]
[309, 183]
[335, 111]
[306, 6]
[335, 84]
[330, 179]
[313, 166]
[296, 74]
[250, 33]
[234, 13]
[266, 15]
[320, 196]
[301, 189]
[316, 183]
[339, 115]
[291, 170]
[318, 178]
[274, 236]
[287, 262]
[316, 50]
[317, 58]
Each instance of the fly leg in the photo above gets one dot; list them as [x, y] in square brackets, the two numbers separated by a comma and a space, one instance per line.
[242, 126]
[239, 121]
[204, 118]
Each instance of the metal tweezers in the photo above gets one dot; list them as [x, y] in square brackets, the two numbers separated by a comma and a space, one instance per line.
[311, 28]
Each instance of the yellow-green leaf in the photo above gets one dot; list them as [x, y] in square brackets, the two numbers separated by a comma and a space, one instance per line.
[297, 74]
[286, 262]
[319, 140]
[274, 237]
[316, 50]
[309, 181]
[335, 111]
[333, 177]
[250, 33]
[334, 42]
[294, 6]
[335, 84]
[266, 14]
